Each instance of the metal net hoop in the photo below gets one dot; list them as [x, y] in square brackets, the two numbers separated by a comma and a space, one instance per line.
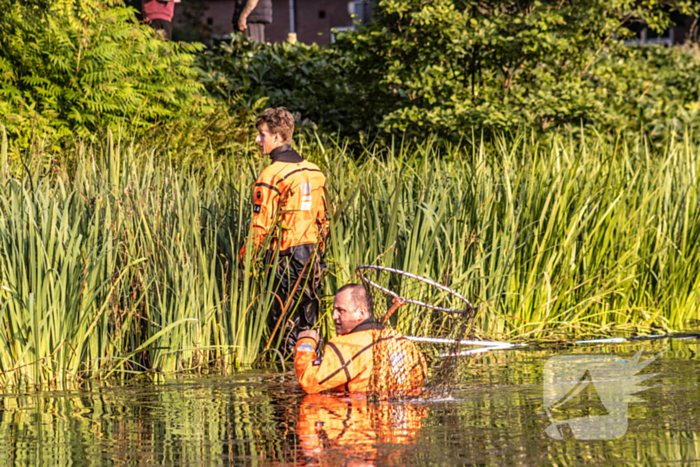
[469, 308]
[415, 346]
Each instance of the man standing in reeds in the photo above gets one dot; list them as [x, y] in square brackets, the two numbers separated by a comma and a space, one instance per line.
[289, 215]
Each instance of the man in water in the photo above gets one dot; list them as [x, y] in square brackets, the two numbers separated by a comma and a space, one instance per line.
[363, 357]
[289, 194]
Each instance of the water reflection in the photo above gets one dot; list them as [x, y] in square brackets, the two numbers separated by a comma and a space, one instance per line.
[337, 430]
[497, 416]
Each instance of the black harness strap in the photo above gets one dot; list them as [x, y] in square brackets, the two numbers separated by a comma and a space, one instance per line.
[298, 170]
[342, 363]
[265, 185]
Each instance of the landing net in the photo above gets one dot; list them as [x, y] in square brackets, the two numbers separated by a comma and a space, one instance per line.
[435, 316]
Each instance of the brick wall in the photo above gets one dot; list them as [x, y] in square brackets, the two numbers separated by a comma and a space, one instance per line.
[314, 18]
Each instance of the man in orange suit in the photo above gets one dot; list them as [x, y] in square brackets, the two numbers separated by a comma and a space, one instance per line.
[289, 214]
[363, 357]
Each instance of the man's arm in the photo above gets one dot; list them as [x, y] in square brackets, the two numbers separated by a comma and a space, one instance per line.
[315, 377]
[265, 202]
[249, 7]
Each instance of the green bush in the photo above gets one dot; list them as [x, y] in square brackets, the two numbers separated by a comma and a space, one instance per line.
[449, 66]
[452, 64]
[304, 78]
[72, 68]
[656, 89]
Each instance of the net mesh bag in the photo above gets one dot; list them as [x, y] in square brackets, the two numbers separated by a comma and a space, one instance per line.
[416, 353]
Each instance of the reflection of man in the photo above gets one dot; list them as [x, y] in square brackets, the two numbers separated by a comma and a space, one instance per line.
[353, 428]
[251, 16]
[289, 194]
[364, 357]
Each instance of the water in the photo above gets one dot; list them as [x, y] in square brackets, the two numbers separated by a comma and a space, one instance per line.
[496, 417]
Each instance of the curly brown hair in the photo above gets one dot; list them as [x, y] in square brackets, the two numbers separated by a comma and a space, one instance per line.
[279, 121]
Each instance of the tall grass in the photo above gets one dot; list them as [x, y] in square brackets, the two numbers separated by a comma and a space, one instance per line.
[573, 236]
[125, 264]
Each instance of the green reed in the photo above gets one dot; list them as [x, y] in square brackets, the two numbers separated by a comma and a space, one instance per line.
[126, 266]
[572, 236]
[158, 429]
[123, 264]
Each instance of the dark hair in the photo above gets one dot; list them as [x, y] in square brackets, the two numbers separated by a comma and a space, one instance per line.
[279, 121]
[359, 294]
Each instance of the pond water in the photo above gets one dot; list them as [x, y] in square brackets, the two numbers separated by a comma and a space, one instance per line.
[496, 416]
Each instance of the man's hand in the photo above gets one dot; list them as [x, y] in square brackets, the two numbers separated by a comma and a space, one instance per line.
[243, 20]
[312, 333]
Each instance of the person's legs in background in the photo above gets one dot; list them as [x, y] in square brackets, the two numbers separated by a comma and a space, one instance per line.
[163, 25]
[159, 15]
[255, 31]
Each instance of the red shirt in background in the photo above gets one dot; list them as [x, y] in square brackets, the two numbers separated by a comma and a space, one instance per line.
[155, 9]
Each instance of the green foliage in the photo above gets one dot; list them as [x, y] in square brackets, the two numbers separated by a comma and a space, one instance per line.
[304, 78]
[448, 66]
[88, 66]
[72, 69]
[125, 264]
[562, 238]
[115, 259]
[656, 89]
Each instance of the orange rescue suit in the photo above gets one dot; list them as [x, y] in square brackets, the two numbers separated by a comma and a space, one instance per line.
[368, 358]
[292, 192]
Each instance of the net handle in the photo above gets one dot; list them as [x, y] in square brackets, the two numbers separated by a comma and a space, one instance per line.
[397, 297]
[397, 303]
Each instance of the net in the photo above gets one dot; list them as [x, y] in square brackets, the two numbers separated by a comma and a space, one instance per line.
[416, 354]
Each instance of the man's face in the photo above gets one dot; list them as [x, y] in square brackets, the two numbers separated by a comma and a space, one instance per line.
[346, 313]
[267, 140]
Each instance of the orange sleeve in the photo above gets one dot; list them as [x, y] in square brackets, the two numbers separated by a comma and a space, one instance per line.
[266, 198]
[315, 377]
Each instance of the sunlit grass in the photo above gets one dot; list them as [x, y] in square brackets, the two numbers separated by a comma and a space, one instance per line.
[126, 266]
[121, 264]
[569, 237]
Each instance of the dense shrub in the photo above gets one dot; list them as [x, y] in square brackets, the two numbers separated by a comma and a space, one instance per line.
[453, 64]
[76, 67]
[305, 78]
[449, 66]
[73, 69]
[654, 88]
